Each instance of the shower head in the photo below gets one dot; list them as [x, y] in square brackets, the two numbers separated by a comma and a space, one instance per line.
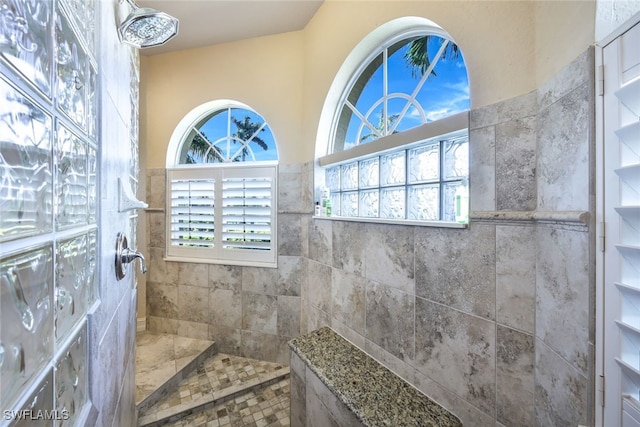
[146, 27]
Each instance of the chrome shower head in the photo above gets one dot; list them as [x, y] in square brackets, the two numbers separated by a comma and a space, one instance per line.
[146, 27]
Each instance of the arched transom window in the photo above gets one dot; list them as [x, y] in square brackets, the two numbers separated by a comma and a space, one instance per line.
[231, 134]
[221, 187]
[398, 147]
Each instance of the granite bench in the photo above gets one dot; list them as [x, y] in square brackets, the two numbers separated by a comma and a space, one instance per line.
[334, 383]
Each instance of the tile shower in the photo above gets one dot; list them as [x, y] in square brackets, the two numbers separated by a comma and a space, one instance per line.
[468, 316]
[61, 315]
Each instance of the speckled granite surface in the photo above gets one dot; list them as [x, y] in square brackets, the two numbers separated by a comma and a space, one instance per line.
[376, 395]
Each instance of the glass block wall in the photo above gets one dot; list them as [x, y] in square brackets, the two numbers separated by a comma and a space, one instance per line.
[48, 195]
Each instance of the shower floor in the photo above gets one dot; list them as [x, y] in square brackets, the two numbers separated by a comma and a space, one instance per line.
[220, 390]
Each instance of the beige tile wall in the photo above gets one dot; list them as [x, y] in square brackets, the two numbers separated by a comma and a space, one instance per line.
[493, 322]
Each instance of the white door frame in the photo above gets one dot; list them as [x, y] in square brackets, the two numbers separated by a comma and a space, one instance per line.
[600, 224]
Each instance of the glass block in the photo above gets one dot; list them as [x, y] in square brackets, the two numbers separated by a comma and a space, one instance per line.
[134, 128]
[71, 294]
[25, 26]
[392, 203]
[26, 182]
[78, 10]
[449, 201]
[349, 176]
[369, 203]
[335, 204]
[332, 178]
[133, 227]
[456, 158]
[133, 160]
[90, 29]
[133, 182]
[423, 202]
[92, 263]
[72, 182]
[71, 381]
[369, 173]
[26, 326]
[393, 168]
[71, 70]
[349, 204]
[41, 400]
[424, 163]
[92, 103]
[92, 182]
[135, 64]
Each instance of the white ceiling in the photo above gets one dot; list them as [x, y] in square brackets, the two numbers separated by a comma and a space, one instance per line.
[207, 22]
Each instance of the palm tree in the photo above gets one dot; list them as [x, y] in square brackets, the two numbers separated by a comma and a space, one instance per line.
[381, 128]
[246, 130]
[417, 56]
[201, 148]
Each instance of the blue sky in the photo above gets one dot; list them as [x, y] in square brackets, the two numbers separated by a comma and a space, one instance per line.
[443, 94]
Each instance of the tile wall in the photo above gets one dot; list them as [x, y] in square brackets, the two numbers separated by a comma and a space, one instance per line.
[470, 317]
[249, 311]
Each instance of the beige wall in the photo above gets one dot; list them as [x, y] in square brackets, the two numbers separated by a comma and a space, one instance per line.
[563, 30]
[510, 48]
[264, 73]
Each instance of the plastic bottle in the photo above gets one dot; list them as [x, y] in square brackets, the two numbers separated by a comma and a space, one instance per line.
[462, 202]
[317, 209]
[328, 206]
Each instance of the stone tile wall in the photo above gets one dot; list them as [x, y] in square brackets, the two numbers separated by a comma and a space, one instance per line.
[248, 311]
[494, 322]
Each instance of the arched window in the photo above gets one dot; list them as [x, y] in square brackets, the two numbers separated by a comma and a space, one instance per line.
[221, 187]
[398, 140]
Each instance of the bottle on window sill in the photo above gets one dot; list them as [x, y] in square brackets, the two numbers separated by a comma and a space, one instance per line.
[317, 209]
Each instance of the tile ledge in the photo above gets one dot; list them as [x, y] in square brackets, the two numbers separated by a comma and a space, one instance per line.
[572, 217]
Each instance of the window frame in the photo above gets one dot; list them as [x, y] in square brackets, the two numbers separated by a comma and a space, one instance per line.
[217, 171]
[427, 133]
[218, 254]
[341, 89]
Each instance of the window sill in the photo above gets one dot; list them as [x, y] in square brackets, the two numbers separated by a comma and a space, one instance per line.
[221, 261]
[439, 224]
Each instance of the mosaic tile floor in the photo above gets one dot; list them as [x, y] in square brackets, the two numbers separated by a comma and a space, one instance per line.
[264, 407]
[226, 381]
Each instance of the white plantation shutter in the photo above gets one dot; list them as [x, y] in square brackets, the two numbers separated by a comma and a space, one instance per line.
[246, 213]
[192, 215]
[222, 214]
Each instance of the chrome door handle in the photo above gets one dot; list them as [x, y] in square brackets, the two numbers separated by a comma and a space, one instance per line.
[125, 255]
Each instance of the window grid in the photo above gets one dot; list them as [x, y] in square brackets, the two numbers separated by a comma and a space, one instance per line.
[349, 198]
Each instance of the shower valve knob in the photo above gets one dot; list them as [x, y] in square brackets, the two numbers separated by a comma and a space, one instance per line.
[125, 256]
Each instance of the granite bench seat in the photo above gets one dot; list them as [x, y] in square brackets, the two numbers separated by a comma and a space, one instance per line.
[334, 383]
